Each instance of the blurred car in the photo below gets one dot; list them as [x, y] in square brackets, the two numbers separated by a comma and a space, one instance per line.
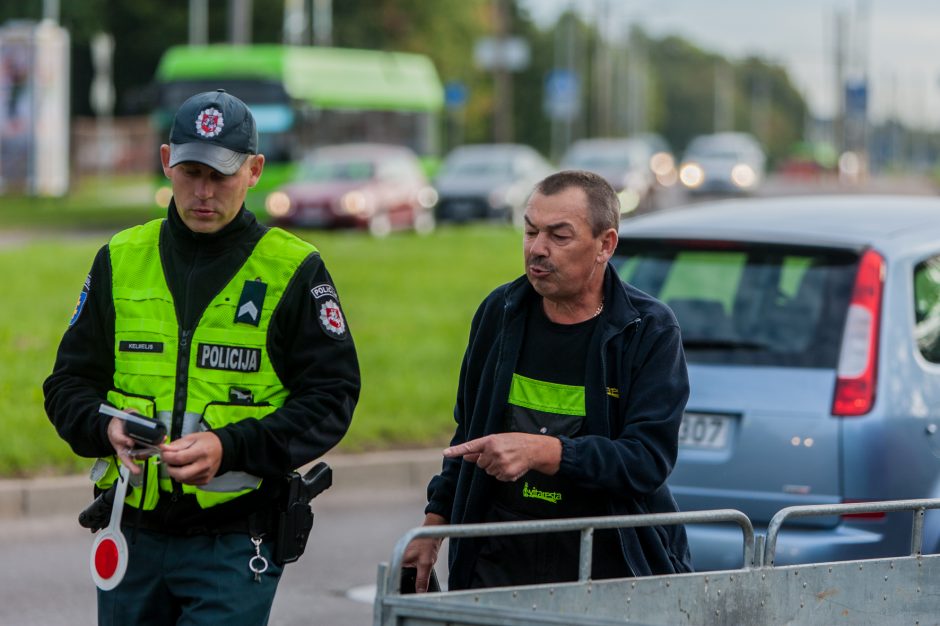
[376, 186]
[624, 163]
[723, 163]
[488, 181]
[811, 326]
[662, 162]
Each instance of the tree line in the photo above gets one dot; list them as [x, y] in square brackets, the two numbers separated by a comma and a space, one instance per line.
[686, 90]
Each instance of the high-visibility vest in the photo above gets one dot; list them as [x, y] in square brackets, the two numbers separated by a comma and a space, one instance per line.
[217, 374]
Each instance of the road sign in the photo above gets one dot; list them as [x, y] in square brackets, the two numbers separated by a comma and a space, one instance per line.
[506, 53]
[562, 99]
[856, 98]
[455, 94]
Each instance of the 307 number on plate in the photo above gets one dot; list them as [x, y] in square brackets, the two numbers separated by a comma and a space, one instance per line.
[704, 431]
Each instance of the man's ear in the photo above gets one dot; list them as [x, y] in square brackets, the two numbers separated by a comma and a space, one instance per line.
[608, 240]
[165, 159]
[256, 166]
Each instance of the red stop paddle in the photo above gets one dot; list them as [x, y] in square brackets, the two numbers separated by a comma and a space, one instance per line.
[109, 552]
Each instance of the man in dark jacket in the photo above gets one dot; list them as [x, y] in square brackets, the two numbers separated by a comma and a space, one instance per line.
[569, 403]
[231, 336]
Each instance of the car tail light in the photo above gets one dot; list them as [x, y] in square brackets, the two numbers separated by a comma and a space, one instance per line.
[870, 516]
[857, 374]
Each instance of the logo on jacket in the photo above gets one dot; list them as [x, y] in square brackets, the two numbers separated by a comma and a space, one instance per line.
[331, 318]
[330, 315]
[548, 496]
[232, 358]
[250, 303]
[209, 123]
[82, 298]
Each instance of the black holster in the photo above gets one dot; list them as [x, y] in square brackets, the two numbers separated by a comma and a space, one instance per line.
[295, 515]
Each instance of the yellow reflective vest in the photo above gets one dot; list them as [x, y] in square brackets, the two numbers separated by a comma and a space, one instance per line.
[193, 380]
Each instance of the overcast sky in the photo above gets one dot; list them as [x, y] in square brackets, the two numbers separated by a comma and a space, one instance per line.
[903, 51]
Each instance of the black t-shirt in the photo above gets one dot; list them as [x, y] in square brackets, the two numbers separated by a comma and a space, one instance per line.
[547, 397]
[554, 352]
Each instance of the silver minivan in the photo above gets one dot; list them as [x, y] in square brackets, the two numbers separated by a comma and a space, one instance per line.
[811, 326]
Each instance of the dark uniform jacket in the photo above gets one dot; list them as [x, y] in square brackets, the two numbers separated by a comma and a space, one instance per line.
[319, 369]
[636, 387]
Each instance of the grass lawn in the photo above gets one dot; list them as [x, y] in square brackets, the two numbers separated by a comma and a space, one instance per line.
[94, 203]
[408, 300]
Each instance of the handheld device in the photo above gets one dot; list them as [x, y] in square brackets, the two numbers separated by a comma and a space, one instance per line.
[409, 576]
[141, 429]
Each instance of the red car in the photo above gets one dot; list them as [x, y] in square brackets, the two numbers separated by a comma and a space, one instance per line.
[375, 186]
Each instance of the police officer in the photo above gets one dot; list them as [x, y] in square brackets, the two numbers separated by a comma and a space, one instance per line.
[229, 333]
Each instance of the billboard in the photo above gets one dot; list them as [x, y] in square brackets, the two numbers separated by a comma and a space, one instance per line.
[34, 108]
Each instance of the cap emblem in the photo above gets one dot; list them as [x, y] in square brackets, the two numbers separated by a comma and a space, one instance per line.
[209, 123]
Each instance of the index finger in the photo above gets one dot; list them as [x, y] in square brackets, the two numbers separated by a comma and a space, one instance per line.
[468, 447]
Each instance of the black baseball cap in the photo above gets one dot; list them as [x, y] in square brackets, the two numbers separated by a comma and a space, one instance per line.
[214, 128]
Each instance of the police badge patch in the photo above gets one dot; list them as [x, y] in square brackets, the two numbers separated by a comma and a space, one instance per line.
[329, 314]
[82, 298]
[331, 318]
[209, 123]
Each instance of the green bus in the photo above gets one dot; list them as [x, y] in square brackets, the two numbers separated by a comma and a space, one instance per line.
[304, 97]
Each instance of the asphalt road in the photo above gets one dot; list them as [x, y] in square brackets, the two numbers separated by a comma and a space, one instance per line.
[44, 577]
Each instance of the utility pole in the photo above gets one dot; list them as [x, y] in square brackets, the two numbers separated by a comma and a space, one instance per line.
[839, 23]
[295, 20]
[760, 109]
[198, 22]
[239, 14]
[502, 79]
[323, 22]
[50, 10]
[602, 70]
[636, 83]
[724, 97]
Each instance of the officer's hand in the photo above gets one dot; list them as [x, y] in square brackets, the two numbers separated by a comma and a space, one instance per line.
[508, 456]
[193, 459]
[421, 553]
[122, 444]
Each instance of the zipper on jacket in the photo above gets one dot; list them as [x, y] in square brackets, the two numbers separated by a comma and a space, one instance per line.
[181, 390]
[634, 324]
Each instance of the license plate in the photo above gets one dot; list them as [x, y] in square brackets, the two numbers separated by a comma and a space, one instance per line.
[704, 431]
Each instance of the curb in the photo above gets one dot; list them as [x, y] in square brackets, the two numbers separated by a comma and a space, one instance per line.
[67, 495]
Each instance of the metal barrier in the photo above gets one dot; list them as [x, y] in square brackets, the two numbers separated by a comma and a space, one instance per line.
[872, 592]
[587, 526]
[918, 507]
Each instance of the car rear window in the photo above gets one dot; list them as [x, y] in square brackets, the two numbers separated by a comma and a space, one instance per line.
[747, 304]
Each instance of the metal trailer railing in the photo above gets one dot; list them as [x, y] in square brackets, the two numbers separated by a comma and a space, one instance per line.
[876, 592]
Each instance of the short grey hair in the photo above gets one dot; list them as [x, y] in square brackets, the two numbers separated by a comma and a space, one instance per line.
[603, 203]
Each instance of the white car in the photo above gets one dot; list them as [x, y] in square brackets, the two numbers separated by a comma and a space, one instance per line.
[723, 163]
[624, 163]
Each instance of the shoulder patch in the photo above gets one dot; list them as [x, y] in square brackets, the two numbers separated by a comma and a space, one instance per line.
[82, 298]
[323, 291]
[331, 319]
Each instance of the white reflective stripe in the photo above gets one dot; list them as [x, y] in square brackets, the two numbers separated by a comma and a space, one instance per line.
[232, 481]
[192, 423]
[99, 469]
[165, 418]
[227, 482]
